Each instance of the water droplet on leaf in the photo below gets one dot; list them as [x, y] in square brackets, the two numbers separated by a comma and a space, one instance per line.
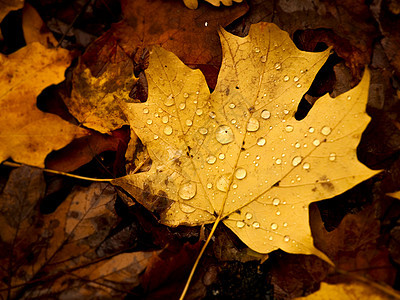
[168, 130]
[253, 124]
[265, 114]
[296, 161]
[240, 173]
[187, 190]
[224, 134]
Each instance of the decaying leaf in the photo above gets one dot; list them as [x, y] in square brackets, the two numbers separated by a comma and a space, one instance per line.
[59, 252]
[239, 152]
[193, 4]
[27, 134]
[351, 291]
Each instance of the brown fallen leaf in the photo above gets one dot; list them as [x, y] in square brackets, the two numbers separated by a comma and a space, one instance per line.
[355, 245]
[351, 291]
[105, 71]
[41, 254]
[27, 134]
[239, 155]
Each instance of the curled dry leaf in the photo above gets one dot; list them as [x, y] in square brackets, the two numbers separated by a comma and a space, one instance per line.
[27, 134]
[240, 153]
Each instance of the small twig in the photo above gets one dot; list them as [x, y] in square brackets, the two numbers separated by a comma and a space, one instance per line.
[13, 164]
[83, 9]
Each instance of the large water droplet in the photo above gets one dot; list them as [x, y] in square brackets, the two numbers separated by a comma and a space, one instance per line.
[295, 78]
[165, 119]
[199, 111]
[187, 190]
[256, 49]
[240, 173]
[263, 58]
[209, 185]
[286, 78]
[253, 124]
[221, 156]
[145, 110]
[211, 159]
[261, 142]
[276, 201]
[232, 105]
[224, 134]
[256, 225]
[286, 238]
[189, 123]
[240, 224]
[316, 142]
[296, 160]
[223, 183]
[306, 166]
[277, 66]
[182, 105]
[203, 130]
[249, 216]
[297, 145]
[186, 208]
[278, 161]
[169, 101]
[168, 130]
[185, 95]
[311, 129]
[265, 114]
[274, 226]
[149, 121]
[326, 130]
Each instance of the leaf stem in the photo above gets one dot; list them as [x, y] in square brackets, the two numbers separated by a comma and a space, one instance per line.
[13, 164]
[203, 249]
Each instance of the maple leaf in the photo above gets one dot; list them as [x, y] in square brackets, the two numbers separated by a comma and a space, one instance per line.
[352, 291]
[239, 155]
[63, 252]
[105, 71]
[193, 4]
[27, 134]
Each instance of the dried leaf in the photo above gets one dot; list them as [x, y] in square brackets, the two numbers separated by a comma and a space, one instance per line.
[35, 246]
[27, 134]
[351, 291]
[355, 245]
[239, 152]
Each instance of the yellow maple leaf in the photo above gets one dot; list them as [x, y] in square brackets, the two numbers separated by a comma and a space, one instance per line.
[193, 4]
[352, 291]
[239, 155]
[27, 134]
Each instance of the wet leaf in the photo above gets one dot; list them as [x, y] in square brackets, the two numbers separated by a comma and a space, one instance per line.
[351, 291]
[239, 152]
[27, 134]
